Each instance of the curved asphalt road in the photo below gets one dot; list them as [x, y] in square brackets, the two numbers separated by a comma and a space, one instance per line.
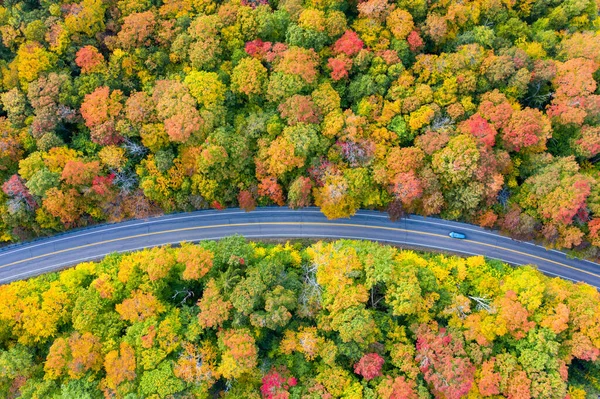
[26, 260]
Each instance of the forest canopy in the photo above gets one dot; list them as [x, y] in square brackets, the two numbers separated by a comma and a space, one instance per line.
[485, 111]
[342, 319]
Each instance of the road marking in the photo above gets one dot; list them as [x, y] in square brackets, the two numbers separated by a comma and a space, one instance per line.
[157, 219]
[208, 227]
[207, 213]
[484, 232]
[291, 223]
[467, 227]
[57, 266]
[311, 210]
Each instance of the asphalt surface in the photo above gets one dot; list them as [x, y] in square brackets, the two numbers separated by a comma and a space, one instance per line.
[54, 253]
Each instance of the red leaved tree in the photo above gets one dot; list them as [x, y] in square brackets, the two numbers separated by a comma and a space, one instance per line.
[369, 366]
[276, 383]
[444, 362]
[246, 200]
[89, 59]
[349, 44]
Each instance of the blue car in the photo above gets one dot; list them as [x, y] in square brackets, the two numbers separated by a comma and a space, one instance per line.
[454, 234]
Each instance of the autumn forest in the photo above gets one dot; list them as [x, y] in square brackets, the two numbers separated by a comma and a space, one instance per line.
[342, 319]
[485, 111]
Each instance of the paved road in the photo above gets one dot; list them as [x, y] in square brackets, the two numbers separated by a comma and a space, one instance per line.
[26, 260]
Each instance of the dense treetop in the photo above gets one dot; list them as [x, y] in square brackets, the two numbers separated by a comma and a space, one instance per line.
[486, 111]
[344, 319]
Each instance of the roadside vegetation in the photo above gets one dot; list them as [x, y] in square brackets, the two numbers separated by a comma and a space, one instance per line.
[342, 319]
[480, 110]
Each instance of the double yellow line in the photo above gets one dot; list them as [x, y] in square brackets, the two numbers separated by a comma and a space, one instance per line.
[293, 224]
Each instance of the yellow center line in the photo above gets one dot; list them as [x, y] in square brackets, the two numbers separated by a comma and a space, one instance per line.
[216, 226]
